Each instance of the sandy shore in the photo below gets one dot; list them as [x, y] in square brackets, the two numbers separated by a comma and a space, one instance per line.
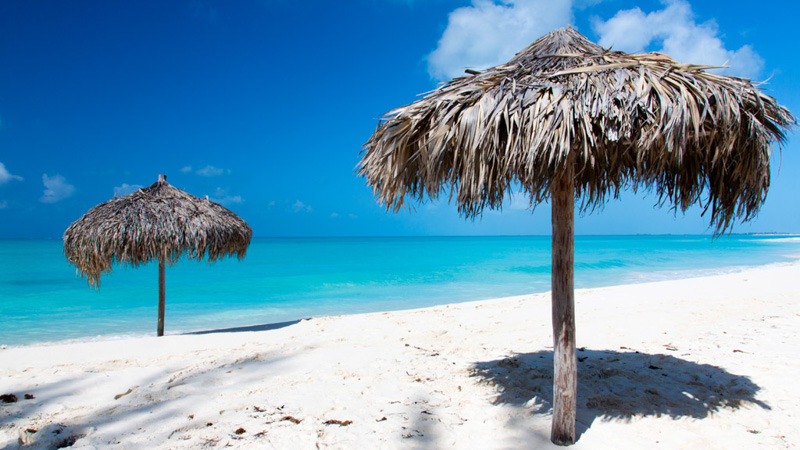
[699, 363]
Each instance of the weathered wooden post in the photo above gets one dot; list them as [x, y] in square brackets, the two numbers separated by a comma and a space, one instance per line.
[161, 287]
[565, 370]
[161, 301]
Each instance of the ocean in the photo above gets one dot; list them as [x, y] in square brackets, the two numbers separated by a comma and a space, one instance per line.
[285, 279]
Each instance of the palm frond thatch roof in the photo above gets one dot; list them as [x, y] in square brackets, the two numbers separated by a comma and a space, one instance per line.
[639, 120]
[159, 219]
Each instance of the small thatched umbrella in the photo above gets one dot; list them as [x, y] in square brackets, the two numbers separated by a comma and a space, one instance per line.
[157, 222]
[566, 119]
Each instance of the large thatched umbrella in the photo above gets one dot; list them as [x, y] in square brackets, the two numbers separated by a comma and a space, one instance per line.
[157, 222]
[566, 119]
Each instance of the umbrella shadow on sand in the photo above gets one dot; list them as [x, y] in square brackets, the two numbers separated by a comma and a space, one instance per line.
[618, 385]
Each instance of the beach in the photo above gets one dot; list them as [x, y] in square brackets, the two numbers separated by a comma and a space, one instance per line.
[695, 363]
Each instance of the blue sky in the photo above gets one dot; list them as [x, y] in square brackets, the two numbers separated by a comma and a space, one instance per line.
[264, 104]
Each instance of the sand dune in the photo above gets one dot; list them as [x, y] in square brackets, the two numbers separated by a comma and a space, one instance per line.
[698, 363]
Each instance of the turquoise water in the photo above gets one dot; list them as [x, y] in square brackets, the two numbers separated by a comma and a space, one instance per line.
[41, 299]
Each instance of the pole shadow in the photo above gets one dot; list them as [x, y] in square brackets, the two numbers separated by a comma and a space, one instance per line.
[614, 385]
[264, 327]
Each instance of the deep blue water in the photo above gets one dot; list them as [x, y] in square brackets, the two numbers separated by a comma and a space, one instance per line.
[282, 279]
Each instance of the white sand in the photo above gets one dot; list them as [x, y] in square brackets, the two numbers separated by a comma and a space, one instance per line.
[700, 363]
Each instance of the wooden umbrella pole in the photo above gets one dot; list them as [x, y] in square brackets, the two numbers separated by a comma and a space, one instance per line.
[565, 370]
[160, 330]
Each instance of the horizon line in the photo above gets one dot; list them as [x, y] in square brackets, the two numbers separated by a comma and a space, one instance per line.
[771, 233]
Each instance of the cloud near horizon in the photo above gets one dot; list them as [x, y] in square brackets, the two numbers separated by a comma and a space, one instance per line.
[299, 206]
[207, 171]
[6, 176]
[519, 201]
[56, 189]
[211, 171]
[222, 197]
[673, 31]
[490, 32]
[126, 189]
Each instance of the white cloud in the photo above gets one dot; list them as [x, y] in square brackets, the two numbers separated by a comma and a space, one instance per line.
[6, 176]
[352, 216]
[211, 171]
[56, 189]
[3, 204]
[679, 36]
[299, 206]
[222, 197]
[489, 33]
[207, 171]
[334, 215]
[125, 189]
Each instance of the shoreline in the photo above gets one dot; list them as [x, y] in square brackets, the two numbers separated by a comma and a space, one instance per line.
[695, 362]
[702, 273]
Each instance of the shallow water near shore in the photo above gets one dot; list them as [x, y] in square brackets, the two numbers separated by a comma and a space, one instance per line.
[283, 279]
